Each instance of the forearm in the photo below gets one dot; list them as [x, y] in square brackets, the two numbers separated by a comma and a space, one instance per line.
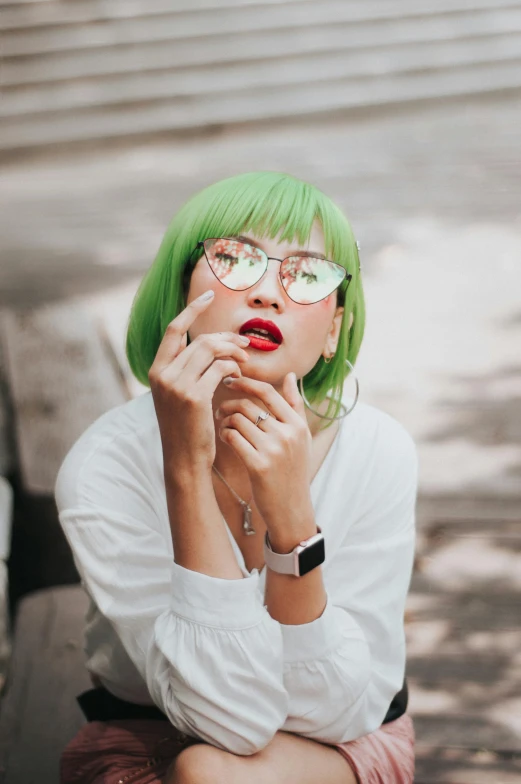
[294, 600]
[200, 540]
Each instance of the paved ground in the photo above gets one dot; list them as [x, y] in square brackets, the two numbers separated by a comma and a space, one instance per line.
[434, 197]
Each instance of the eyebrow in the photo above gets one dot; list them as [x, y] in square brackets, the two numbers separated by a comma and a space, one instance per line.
[250, 241]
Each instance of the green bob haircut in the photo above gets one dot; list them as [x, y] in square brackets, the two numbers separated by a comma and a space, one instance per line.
[269, 204]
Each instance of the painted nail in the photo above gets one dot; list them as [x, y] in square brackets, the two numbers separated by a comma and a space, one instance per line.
[244, 339]
[207, 295]
[228, 380]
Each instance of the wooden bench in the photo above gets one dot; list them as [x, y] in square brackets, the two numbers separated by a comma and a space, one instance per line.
[39, 713]
[61, 373]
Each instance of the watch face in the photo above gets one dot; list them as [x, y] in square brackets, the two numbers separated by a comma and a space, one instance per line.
[312, 556]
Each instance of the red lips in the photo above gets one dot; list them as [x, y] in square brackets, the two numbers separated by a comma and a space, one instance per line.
[258, 323]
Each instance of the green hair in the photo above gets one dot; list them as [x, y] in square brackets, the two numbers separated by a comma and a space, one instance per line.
[268, 204]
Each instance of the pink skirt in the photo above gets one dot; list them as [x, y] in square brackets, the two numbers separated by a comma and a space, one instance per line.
[137, 751]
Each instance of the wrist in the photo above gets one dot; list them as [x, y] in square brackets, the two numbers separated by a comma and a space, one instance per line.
[181, 476]
[285, 539]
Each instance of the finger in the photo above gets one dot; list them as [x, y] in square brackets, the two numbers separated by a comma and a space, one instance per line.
[243, 425]
[241, 446]
[242, 406]
[174, 338]
[218, 370]
[291, 394]
[171, 344]
[273, 401]
[250, 411]
[220, 343]
[204, 350]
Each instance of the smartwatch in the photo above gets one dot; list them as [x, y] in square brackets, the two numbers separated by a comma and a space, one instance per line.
[307, 555]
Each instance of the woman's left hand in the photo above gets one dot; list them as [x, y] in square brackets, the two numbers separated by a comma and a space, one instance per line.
[277, 452]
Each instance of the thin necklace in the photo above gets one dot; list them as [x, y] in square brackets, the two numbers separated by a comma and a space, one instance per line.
[246, 520]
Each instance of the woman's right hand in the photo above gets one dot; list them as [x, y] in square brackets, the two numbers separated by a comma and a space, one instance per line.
[183, 381]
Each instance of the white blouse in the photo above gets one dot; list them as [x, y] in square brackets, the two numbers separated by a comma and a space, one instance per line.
[204, 649]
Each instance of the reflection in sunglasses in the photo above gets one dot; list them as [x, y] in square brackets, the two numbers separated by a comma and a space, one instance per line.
[238, 264]
[306, 279]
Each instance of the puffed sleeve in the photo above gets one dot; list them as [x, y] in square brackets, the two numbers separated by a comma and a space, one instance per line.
[206, 647]
[343, 669]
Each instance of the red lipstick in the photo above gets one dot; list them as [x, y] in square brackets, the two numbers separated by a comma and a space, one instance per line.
[263, 335]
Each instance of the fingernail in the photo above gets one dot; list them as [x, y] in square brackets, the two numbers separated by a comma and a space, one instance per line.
[207, 295]
[218, 414]
[228, 380]
[244, 339]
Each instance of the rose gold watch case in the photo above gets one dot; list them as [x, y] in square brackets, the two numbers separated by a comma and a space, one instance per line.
[289, 563]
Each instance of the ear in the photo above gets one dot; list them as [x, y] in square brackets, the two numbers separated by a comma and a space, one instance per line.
[334, 332]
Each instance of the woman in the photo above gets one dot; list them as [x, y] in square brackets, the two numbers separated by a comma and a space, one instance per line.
[220, 648]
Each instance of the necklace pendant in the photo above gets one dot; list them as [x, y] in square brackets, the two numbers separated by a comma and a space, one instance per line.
[246, 520]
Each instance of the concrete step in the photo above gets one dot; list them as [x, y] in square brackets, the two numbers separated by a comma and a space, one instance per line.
[153, 48]
[118, 91]
[262, 104]
[230, 21]
[205, 14]
[40, 13]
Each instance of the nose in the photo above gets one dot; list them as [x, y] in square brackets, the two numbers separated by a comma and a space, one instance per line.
[268, 292]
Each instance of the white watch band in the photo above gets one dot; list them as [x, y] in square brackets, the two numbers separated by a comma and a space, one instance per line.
[288, 563]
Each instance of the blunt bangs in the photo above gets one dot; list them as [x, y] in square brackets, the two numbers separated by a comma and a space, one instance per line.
[268, 204]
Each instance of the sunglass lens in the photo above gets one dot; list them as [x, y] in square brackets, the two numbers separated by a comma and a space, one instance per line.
[237, 265]
[308, 279]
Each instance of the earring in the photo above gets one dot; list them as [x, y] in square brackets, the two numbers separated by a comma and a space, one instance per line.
[327, 360]
[345, 411]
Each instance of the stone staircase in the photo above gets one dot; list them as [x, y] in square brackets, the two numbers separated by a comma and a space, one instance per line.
[94, 70]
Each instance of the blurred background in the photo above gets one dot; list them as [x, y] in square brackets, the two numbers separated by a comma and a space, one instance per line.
[407, 113]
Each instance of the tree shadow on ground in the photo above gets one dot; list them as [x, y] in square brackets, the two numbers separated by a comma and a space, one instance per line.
[485, 416]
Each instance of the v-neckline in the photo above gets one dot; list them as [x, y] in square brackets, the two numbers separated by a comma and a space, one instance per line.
[313, 485]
